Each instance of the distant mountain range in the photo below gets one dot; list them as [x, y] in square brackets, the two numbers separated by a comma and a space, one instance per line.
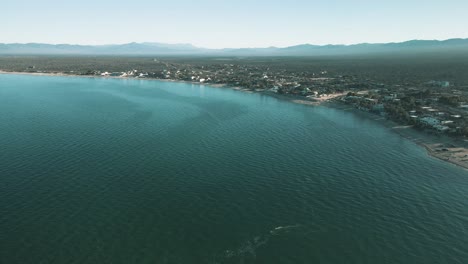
[413, 46]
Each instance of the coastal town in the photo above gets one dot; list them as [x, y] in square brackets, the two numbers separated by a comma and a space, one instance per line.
[436, 107]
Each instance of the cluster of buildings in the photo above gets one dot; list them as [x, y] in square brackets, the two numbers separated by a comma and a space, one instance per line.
[258, 78]
[436, 108]
[132, 73]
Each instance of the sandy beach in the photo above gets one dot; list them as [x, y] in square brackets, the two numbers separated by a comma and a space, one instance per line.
[35, 73]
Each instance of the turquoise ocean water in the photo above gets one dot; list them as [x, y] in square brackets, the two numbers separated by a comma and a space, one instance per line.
[134, 171]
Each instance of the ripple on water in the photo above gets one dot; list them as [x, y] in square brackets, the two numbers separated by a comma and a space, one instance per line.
[107, 171]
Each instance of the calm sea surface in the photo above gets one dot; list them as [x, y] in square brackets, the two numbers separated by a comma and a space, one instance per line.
[130, 171]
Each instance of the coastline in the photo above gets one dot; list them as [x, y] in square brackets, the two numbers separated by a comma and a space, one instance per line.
[438, 146]
[442, 147]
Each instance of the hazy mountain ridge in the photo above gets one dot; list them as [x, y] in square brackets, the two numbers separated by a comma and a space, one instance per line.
[149, 48]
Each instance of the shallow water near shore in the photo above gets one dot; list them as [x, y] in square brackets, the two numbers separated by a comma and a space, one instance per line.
[99, 170]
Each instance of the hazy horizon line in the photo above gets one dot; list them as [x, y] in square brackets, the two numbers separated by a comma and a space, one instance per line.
[257, 47]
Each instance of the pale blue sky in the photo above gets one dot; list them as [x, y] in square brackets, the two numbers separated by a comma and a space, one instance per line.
[240, 23]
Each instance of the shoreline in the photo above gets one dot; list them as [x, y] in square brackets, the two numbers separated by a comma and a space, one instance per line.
[441, 147]
[451, 150]
[61, 74]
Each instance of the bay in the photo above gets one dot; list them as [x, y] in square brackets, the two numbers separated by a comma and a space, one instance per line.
[97, 170]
